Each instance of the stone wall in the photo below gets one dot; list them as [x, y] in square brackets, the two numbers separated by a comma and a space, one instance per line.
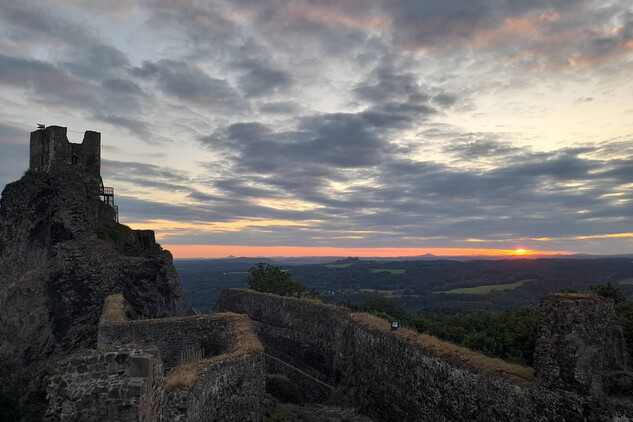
[121, 384]
[225, 382]
[580, 346]
[175, 338]
[228, 389]
[394, 376]
[51, 151]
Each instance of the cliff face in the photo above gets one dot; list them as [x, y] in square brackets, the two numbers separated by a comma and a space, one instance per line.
[61, 254]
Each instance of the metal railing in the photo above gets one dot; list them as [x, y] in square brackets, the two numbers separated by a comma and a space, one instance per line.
[106, 191]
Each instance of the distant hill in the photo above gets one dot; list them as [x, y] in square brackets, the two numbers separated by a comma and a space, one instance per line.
[422, 284]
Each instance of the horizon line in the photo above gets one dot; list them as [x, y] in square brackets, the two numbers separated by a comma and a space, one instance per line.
[225, 251]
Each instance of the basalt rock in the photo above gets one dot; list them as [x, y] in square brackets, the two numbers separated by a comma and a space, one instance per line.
[62, 252]
[55, 271]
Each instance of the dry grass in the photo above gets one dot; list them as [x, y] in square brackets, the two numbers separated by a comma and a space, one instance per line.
[182, 376]
[576, 295]
[449, 351]
[114, 310]
[245, 341]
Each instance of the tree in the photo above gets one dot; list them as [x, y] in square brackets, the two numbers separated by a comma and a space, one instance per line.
[267, 278]
[607, 290]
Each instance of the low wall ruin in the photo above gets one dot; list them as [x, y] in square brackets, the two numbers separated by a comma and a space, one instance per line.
[402, 375]
[198, 368]
[122, 384]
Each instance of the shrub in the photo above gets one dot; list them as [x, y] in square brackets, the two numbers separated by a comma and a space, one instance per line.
[267, 278]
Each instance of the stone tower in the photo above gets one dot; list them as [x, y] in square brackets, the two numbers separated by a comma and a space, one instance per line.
[580, 347]
[51, 151]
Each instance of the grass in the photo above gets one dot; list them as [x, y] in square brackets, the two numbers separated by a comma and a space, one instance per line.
[114, 310]
[383, 292]
[245, 341]
[114, 232]
[388, 270]
[482, 290]
[447, 350]
[577, 295]
[338, 265]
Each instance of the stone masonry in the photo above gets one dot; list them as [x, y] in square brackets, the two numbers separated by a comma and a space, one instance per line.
[121, 384]
[580, 347]
[356, 360]
[213, 371]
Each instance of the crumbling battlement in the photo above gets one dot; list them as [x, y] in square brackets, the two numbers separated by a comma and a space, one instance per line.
[580, 346]
[401, 375]
[177, 339]
[50, 150]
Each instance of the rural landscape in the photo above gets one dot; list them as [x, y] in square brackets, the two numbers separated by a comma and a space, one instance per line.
[316, 211]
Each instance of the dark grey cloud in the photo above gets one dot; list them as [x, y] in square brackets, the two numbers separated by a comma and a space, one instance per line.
[339, 140]
[188, 83]
[203, 24]
[29, 23]
[438, 24]
[281, 107]
[476, 146]
[46, 83]
[128, 170]
[96, 62]
[260, 79]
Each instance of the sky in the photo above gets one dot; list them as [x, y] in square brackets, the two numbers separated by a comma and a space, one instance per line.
[365, 127]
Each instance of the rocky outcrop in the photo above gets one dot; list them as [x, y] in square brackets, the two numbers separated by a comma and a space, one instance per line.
[61, 255]
[55, 271]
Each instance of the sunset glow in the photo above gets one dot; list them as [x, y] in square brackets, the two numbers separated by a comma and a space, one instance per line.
[222, 251]
[358, 127]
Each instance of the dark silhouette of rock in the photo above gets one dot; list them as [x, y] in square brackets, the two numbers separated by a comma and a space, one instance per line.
[62, 252]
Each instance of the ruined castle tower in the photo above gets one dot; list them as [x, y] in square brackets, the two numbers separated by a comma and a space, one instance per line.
[579, 347]
[52, 152]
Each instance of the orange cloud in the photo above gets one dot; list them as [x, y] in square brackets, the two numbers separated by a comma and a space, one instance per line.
[328, 15]
[181, 227]
[529, 26]
[604, 236]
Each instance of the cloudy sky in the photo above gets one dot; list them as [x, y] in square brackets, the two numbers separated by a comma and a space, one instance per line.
[349, 127]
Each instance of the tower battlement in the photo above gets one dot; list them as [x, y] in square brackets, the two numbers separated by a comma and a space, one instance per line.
[50, 150]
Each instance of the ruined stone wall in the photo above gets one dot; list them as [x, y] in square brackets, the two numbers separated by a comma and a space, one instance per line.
[579, 343]
[116, 385]
[175, 338]
[51, 151]
[391, 376]
[225, 383]
[229, 389]
[281, 327]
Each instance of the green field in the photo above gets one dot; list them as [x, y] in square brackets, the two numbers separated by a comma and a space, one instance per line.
[338, 265]
[387, 270]
[482, 290]
[627, 281]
